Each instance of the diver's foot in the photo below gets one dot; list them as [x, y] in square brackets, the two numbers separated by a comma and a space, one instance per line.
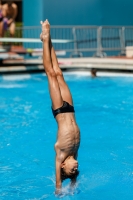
[45, 35]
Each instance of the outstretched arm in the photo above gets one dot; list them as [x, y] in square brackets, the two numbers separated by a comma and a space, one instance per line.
[58, 170]
[58, 175]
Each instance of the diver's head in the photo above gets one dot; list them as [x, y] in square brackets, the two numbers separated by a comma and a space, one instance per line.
[69, 168]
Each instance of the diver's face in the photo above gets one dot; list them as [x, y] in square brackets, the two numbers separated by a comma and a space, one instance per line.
[70, 166]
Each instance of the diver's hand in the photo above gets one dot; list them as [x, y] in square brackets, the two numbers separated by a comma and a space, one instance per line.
[58, 191]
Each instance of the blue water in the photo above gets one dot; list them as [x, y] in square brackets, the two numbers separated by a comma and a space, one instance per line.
[104, 112]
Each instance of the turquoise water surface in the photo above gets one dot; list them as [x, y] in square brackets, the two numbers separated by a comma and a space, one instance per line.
[104, 112]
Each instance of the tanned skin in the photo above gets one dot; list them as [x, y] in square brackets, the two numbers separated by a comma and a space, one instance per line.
[9, 11]
[68, 135]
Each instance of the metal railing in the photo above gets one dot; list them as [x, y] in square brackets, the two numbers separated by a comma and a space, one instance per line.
[97, 41]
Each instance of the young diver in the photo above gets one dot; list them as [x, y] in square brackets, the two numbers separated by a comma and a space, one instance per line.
[68, 137]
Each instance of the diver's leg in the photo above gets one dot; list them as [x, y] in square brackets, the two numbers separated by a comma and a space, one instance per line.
[12, 29]
[54, 88]
[65, 92]
[1, 31]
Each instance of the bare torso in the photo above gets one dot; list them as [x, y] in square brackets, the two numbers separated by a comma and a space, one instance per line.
[68, 138]
[9, 12]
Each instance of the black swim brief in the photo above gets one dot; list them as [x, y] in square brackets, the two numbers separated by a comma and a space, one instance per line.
[66, 108]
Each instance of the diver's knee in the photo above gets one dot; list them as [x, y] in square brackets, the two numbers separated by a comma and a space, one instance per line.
[59, 73]
[51, 73]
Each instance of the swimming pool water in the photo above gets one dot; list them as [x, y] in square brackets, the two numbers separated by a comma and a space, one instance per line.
[104, 112]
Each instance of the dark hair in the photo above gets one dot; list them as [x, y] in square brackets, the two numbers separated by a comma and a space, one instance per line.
[71, 176]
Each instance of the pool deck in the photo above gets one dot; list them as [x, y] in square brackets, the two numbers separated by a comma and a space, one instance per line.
[18, 64]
